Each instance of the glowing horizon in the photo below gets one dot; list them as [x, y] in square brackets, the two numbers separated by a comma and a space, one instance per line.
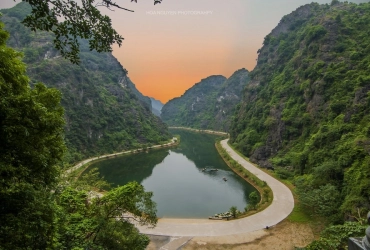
[173, 45]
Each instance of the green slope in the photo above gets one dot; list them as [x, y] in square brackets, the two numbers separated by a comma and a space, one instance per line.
[104, 112]
[209, 104]
[307, 107]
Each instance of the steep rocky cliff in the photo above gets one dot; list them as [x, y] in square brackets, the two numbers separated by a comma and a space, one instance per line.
[104, 112]
[307, 107]
[209, 104]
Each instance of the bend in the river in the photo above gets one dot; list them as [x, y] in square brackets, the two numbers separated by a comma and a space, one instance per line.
[281, 206]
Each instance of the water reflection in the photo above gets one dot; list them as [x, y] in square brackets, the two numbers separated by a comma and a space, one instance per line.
[181, 189]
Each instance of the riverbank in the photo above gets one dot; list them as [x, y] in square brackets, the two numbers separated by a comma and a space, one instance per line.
[266, 195]
[202, 131]
[281, 206]
[174, 141]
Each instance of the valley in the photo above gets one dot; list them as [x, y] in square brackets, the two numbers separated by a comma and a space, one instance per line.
[73, 123]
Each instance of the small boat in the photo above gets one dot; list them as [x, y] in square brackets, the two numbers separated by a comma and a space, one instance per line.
[224, 179]
[213, 169]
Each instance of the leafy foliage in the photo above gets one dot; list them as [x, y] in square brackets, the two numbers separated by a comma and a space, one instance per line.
[306, 109]
[70, 21]
[253, 200]
[336, 237]
[104, 112]
[106, 222]
[233, 210]
[31, 145]
[36, 211]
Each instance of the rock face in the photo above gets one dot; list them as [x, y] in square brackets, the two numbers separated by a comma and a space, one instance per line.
[209, 104]
[307, 106]
[156, 106]
[104, 111]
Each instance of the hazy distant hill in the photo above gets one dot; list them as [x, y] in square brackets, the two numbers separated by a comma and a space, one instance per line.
[156, 106]
[104, 111]
[208, 104]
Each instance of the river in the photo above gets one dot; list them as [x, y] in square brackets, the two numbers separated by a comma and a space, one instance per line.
[182, 179]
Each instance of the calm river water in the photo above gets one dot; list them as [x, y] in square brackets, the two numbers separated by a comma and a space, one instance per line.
[181, 189]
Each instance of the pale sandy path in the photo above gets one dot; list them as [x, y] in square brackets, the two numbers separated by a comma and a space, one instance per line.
[279, 209]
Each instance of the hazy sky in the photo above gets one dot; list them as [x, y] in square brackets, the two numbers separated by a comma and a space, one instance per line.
[171, 46]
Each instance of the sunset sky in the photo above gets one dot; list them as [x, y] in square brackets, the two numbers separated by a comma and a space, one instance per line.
[171, 46]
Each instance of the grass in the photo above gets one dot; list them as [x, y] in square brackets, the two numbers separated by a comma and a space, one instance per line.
[299, 215]
[261, 186]
[240, 154]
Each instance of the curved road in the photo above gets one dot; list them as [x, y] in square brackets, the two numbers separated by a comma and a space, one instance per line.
[279, 209]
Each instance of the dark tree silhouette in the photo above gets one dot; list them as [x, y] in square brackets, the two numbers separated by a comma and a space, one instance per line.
[69, 21]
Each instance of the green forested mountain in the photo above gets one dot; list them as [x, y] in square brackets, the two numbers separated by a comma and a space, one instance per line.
[208, 104]
[307, 106]
[104, 112]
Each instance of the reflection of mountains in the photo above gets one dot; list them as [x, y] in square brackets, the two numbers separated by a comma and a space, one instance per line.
[233, 180]
[124, 169]
[199, 148]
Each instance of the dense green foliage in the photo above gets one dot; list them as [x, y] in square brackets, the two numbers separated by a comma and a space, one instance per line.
[83, 222]
[208, 104]
[306, 110]
[39, 208]
[104, 112]
[31, 144]
[253, 200]
[336, 237]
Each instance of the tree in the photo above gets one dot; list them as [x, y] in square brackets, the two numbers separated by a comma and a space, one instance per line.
[104, 222]
[335, 237]
[69, 21]
[252, 201]
[31, 145]
[37, 210]
[233, 210]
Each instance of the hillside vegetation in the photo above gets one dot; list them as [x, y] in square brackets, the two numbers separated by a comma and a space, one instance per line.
[209, 104]
[104, 112]
[306, 108]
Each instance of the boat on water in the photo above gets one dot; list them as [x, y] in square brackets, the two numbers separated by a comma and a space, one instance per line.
[209, 170]
[224, 179]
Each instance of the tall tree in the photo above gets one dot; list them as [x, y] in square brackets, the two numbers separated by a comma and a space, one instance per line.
[69, 20]
[31, 144]
[36, 210]
[104, 222]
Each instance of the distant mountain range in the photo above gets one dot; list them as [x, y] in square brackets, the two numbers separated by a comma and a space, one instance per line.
[209, 104]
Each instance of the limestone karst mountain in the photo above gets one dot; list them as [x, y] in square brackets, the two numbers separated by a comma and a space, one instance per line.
[306, 110]
[209, 104]
[104, 112]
